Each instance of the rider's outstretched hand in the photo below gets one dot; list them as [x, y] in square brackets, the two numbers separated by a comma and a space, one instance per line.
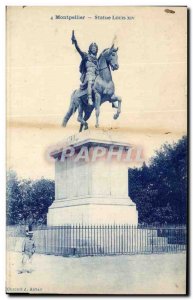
[73, 37]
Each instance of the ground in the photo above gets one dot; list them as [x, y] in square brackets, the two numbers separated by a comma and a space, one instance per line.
[126, 274]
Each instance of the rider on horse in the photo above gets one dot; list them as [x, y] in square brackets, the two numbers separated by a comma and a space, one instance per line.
[88, 68]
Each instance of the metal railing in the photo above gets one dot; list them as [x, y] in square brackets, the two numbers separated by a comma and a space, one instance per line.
[85, 240]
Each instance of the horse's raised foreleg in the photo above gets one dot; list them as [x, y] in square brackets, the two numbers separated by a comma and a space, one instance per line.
[117, 99]
[97, 108]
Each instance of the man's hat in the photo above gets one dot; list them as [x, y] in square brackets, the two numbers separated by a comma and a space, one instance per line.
[29, 230]
[28, 233]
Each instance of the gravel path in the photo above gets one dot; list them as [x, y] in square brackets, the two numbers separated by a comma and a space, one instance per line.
[134, 274]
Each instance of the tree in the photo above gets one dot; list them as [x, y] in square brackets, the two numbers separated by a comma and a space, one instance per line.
[160, 189]
[42, 196]
[27, 200]
[13, 196]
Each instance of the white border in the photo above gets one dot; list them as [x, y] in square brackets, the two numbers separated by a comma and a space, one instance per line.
[98, 3]
[3, 4]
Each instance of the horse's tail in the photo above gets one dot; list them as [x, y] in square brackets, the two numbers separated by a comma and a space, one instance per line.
[72, 109]
[74, 103]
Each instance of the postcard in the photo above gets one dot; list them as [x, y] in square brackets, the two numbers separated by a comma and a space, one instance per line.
[96, 150]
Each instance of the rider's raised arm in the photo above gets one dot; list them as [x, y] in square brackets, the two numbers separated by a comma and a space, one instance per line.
[82, 54]
[74, 41]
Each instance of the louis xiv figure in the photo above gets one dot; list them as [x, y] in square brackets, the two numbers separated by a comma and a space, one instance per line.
[96, 86]
[88, 68]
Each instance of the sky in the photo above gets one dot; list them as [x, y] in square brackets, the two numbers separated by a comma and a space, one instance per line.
[43, 70]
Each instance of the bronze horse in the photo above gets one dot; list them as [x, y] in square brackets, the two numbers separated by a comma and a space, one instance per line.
[103, 90]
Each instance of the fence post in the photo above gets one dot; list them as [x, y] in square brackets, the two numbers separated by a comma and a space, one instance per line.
[152, 240]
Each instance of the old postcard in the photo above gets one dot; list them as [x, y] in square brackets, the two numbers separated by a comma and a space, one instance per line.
[96, 150]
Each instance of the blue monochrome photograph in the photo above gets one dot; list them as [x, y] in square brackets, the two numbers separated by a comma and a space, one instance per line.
[97, 150]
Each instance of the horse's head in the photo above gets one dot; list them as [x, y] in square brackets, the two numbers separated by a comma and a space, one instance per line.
[112, 58]
[109, 57]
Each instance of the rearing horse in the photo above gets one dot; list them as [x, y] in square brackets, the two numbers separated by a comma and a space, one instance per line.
[103, 90]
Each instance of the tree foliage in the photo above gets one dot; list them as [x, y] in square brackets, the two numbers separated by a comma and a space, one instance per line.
[160, 189]
[27, 200]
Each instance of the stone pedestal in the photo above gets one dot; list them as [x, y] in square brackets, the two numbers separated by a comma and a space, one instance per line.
[91, 191]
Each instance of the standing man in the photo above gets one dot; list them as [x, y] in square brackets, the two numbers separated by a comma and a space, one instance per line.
[88, 67]
[28, 249]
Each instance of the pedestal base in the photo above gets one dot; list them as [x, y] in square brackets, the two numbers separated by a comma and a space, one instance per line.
[93, 211]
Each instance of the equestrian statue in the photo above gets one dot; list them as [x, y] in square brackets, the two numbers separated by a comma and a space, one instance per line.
[96, 86]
